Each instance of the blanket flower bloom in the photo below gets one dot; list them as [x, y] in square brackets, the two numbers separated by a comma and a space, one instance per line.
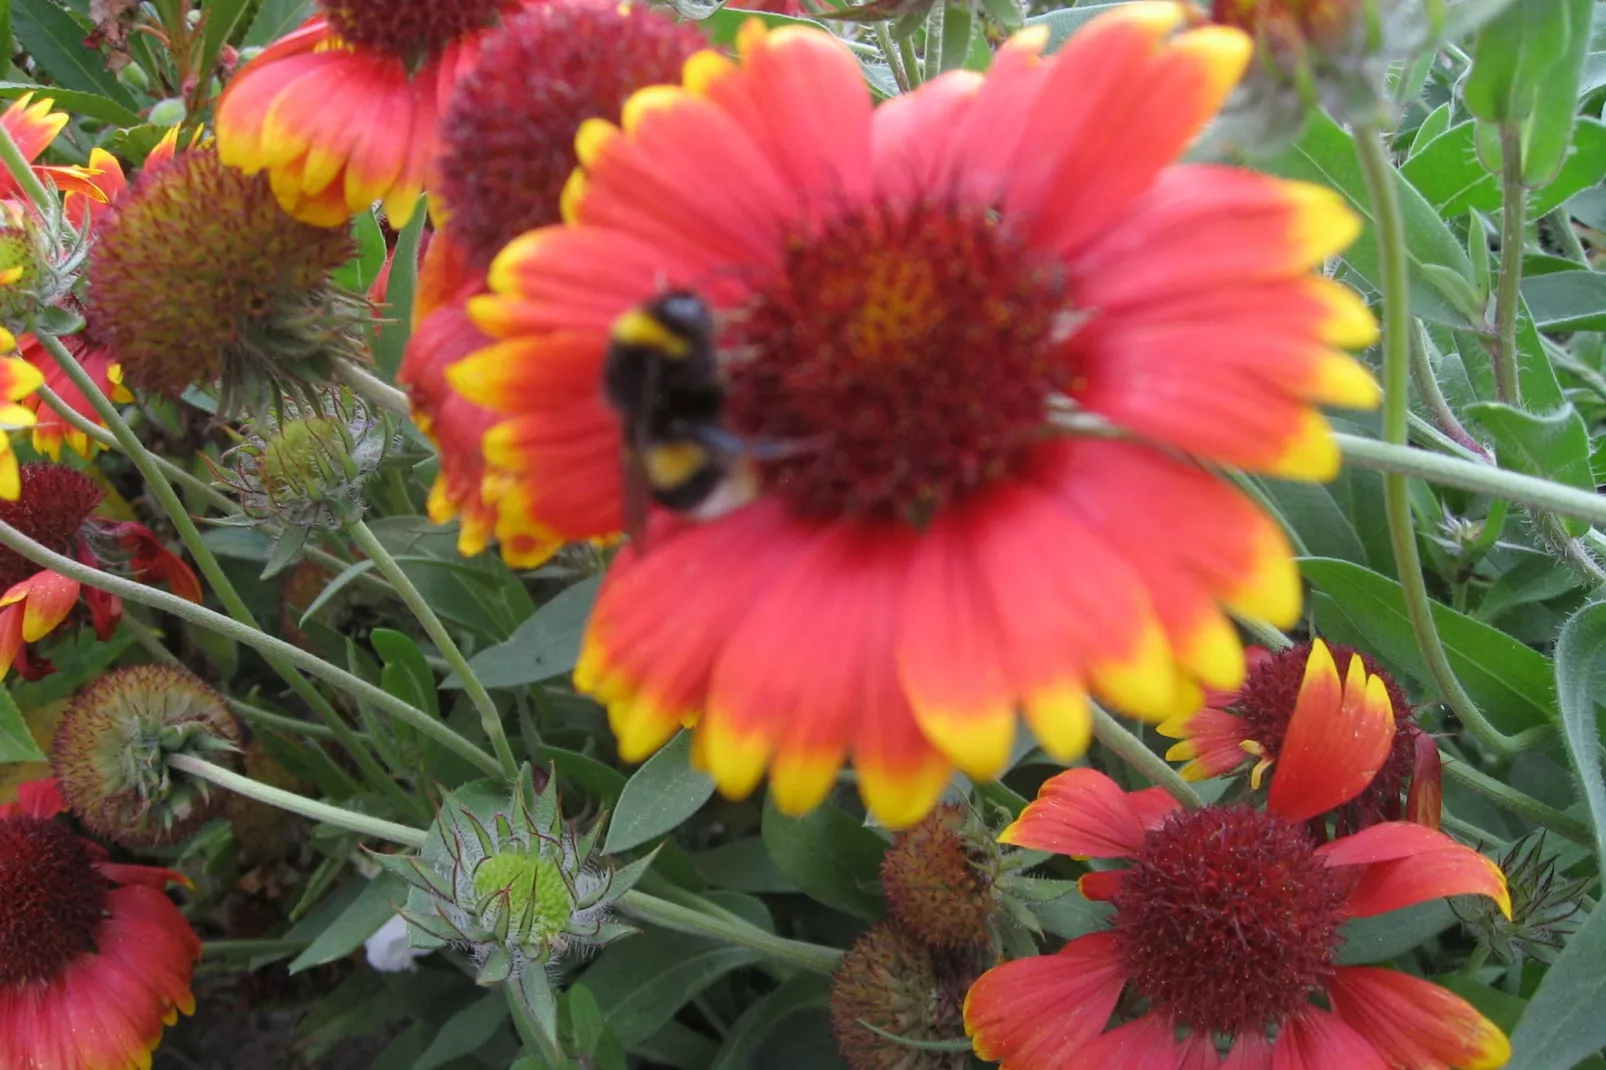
[1249, 728]
[97, 958]
[33, 125]
[918, 303]
[342, 112]
[507, 150]
[1228, 920]
[54, 509]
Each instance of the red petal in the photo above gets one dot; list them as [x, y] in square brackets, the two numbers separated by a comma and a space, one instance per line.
[1199, 1053]
[1315, 1040]
[1386, 886]
[1100, 885]
[1036, 1013]
[1424, 804]
[1082, 813]
[42, 798]
[1338, 738]
[1414, 1022]
[1250, 1051]
[1384, 843]
[1149, 1043]
[1153, 806]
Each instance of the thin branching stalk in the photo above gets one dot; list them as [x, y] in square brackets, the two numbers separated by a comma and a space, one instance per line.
[267, 645]
[1134, 752]
[490, 716]
[1397, 328]
[1427, 385]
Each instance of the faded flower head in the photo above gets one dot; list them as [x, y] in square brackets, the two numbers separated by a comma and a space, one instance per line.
[113, 742]
[894, 981]
[939, 877]
[199, 276]
[515, 885]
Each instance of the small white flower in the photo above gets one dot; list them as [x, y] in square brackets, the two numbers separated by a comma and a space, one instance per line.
[388, 951]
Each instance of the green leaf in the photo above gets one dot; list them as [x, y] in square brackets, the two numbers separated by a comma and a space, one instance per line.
[544, 646]
[359, 273]
[1387, 936]
[1325, 154]
[360, 920]
[88, 105]
[1553, 446]
[56, 42]
[1567, 300]
[1510, 682]
[1579, 667]
[742, 866]
[762, 1017]
[660, 795]
[399, 293]
[16, 742]
[828, 855]
[598, 780]
[466, 1032]
[275, 18]
[1563, 1022]
[642, 982]
[958, 30]
[221, 16]
[1447, 171]
[406, 674]
[1535, 577]
[1066, 21]
[7, 41]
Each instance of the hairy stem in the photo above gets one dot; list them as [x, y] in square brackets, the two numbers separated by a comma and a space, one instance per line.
[1134, 752]
[1513, 220]
[490, 716]
[1514, 801]
[371, 388]
[1397, 328]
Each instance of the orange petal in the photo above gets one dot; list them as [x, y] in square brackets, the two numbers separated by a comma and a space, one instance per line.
[1338, 738]
[1414, 1022]
[1038, 1013]
[1082, 813]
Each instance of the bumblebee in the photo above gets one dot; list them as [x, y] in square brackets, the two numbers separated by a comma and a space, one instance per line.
[662, 376]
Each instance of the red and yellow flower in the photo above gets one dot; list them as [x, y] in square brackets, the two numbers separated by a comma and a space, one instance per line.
[33, 126]
[507, 139]
[921, 305]
[55, 509]
[342, 112]
[19, 379]
[1248, 729]
[97, 959]
[1228, 920]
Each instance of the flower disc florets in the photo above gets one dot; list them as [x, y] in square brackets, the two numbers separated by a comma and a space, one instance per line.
[514, 884]
[905, 355]
[199, 275]
[891, 979]
[54, 899]
[51, 510]
[1227, 920]
[113, 742]
[508, 131]
[938, 878]
[411, 30]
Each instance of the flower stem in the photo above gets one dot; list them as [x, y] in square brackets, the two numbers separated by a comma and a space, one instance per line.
[1509, 798]
[361, 824]
[1470, 475]
[1134, 752]
[371, 388]
[278, 721]
[490, 716]
[268, 645]
[157, 481]
[1397, 328]
[1513, 220]
[1427, 384]
[894, 60]
[667, 915]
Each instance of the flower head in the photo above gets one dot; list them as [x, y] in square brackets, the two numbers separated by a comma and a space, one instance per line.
[94, 958]
[55, 508]
[342, 112]
[894, 981]
[1226, 927]
[912, 315]
[111, 750]
[50, 429]
[198, 276]
[514, 884]
[33, 125]
[1249, 729]
[938, 878]
[508, 149]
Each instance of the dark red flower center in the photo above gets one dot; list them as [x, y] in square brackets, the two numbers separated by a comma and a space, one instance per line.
[508, 133]
[1267, 702]
[54, 503]
[411, 30]
[901, 358]
[52, 898]
[1227, 921]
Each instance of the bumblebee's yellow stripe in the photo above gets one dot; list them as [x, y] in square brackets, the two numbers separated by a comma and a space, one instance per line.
[640, 328]
[671, 464]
